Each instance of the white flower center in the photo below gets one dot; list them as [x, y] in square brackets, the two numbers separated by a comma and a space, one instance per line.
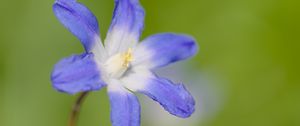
[118, 64]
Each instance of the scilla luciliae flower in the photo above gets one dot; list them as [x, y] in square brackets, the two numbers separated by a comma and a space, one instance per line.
[122, 64]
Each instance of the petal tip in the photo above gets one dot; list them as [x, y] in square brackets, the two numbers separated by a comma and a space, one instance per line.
[188, 108]
[191, 44]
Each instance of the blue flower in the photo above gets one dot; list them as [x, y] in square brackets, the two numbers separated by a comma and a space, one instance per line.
[122, 64]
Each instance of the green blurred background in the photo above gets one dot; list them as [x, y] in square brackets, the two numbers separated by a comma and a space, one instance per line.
[246, 72]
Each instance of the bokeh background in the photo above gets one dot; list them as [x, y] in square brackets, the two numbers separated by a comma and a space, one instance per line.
[245, 74]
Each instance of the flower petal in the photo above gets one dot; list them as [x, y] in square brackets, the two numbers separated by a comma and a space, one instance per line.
[79, 20]
[162, 49]
[173, 97]
[77, 73]
[125, 107]
[126, 26]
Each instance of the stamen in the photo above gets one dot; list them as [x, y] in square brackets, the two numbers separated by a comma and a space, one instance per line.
[127, 58]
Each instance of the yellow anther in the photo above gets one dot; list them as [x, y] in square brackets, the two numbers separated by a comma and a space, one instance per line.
[127, 58]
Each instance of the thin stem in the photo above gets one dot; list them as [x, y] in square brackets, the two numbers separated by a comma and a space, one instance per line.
[76, 109]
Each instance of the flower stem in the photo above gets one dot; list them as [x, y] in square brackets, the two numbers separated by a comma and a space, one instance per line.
[76, 109]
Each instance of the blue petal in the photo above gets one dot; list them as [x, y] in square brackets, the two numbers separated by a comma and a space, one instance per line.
[126, 26]
[173, 97]
[125, 107]
[77, 73]
[79, 20]
[162, 49]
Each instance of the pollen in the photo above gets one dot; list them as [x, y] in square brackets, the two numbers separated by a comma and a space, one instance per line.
[127, 58]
